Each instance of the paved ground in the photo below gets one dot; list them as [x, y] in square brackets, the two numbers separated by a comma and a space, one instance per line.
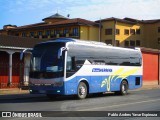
[142, 100]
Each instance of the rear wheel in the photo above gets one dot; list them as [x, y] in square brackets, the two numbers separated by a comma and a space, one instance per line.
[82, 90]
[123, 88]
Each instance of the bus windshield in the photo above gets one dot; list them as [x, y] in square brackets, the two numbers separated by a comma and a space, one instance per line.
[45, 61]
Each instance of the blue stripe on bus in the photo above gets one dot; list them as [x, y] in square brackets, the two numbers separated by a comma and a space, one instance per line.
[96, 81]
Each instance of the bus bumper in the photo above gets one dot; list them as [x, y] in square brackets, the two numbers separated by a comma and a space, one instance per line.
[59, 90]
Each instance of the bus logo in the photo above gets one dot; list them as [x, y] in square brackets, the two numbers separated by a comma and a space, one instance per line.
[101, 70]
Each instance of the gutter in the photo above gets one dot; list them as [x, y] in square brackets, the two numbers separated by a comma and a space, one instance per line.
[10, 47]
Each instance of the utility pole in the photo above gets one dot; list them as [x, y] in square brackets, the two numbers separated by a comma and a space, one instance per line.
[100, 26]
[115, 22]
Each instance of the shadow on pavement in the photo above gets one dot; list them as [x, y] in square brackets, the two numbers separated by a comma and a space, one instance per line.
[30, 98]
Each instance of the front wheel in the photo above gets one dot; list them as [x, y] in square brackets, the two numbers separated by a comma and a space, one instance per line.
[82, 90]
[123, 88]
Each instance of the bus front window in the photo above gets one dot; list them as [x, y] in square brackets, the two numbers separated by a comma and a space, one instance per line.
[45, 62]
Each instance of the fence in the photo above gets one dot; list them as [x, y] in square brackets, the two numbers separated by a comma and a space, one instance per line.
[17, 75]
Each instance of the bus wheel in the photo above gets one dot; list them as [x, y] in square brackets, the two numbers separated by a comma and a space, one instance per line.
[123, 88]
[82, 90]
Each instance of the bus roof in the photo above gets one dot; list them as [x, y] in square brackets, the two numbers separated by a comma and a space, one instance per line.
[90, 43]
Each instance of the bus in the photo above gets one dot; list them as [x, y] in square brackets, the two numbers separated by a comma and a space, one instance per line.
[67, 66]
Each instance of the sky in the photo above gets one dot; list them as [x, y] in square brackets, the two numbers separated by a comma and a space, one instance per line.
[24, 12]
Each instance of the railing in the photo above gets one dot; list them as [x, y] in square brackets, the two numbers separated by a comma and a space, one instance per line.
[57, 36]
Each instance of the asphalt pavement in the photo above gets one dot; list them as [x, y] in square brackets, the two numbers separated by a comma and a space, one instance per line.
[138, 100]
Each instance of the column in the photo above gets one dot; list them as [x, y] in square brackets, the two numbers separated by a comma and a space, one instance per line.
[10, 67]
[26, 68]
[159, 69]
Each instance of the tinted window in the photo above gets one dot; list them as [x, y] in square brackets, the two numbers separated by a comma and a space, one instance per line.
[45, 62]
[107, 56]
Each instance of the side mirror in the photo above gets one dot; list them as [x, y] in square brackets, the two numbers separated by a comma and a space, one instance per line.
[24, 51]
[60, 51]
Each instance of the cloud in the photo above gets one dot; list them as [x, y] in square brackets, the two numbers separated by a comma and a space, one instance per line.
[90, 9]
[140, 9]
[30, 11]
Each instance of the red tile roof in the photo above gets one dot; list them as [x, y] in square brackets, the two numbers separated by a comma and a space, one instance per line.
[75, 21]
[129, 20]
[79, 21]
[20, 42]
[57, 16]
[116, 19]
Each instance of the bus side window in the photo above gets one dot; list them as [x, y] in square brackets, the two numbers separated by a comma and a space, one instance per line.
[73, 63]
[70, 63]
[79, 64]
[71, 66]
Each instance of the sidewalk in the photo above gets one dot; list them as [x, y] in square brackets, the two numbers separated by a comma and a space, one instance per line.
[13, 91]
[19, 91]
[150, 87]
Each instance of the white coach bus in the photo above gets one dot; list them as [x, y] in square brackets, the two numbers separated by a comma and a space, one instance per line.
[68, 66]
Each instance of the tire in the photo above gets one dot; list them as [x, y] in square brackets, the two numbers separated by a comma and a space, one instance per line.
[123, 88]
[82, 90]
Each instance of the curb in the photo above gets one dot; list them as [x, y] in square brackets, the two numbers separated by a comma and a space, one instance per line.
[13, 91]
[147, 87]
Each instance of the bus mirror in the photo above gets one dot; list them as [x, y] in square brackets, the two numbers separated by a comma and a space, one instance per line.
[60, 51]
[22, 53]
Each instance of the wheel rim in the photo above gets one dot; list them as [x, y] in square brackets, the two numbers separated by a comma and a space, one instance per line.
[82, 91]
[124, 88]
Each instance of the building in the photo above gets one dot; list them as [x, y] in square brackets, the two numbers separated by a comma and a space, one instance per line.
[13, 71]
[125, 32]
[130, 32]
[151, 66]
[56, 26]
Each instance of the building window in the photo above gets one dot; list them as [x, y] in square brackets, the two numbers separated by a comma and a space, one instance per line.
[126, 43]
[65, 31]
[138, 31]
[132, 43]
[108, 31]
[158, 29]
[126, 31]
[40, 33]
[57, 31]
[132, 31]
[75, 31]
[48, 32]
[108, 42]
[117, 31]
[23, 34]
[31, 34]
[138, 43]
[158, 40]
[17, 34]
